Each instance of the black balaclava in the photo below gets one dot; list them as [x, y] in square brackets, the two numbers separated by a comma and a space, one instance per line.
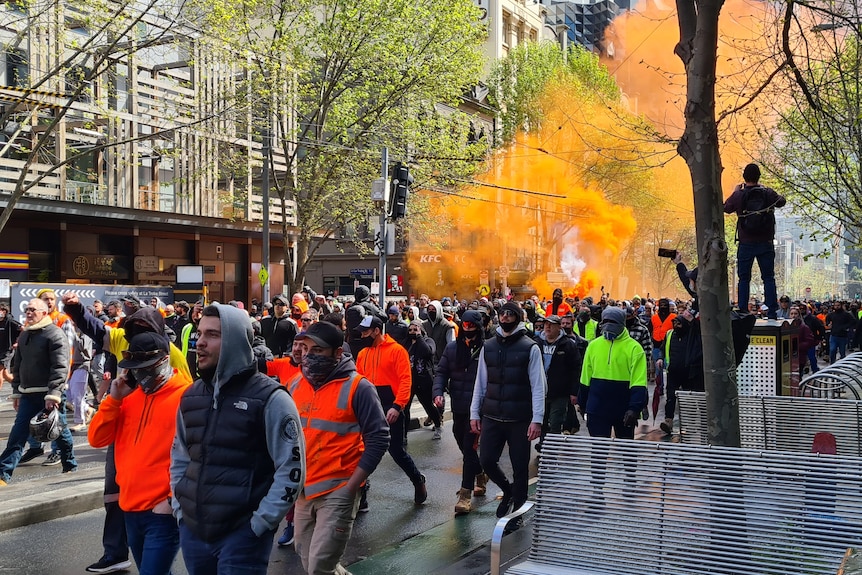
[663, 309]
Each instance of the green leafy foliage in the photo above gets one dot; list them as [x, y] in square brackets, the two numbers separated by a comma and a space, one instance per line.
[338, 81]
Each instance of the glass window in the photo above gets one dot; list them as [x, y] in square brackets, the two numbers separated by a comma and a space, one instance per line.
[17, 69]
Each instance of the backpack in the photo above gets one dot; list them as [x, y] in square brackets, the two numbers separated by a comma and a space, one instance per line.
[756, 214]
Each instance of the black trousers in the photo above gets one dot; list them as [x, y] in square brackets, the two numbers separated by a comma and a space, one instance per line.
[467, 442]
[494, 437]
[114, 530]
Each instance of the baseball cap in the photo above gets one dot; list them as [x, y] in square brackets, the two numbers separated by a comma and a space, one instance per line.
[145, 349]
[551, 319]
[324, 334]
[370, 322]
[394, 310]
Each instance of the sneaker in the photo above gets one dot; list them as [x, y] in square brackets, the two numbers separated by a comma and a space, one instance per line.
[428, 422]
[645, 413]
[31, 454]
[81, 427]
[667, 426]
[287, 536]
[481, 483]
[109, 565]
[464, 504]
[420, 493]
[438, 433]
[363, 500]
[505, 505]
[52, 459]
[71, 470]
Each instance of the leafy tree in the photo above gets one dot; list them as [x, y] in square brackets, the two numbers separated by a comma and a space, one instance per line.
[697, 48]
[814, 152]
[337, 81]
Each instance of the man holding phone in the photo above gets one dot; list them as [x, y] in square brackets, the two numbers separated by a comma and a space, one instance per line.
[138, 417]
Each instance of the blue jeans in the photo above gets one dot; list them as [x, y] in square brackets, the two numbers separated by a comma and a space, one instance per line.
[239, 553]
[812, 359]
[30, 404]
[764, 253]
[837, 344]
[154, 540]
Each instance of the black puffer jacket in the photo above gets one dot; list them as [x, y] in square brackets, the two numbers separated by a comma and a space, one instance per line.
[457, 379]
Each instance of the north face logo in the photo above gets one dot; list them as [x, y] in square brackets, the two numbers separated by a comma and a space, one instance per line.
[241, 405]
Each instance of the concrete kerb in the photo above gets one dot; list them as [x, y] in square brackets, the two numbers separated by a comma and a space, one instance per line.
[44, 499]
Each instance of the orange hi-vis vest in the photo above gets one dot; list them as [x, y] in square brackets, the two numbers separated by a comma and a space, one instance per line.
[659, 327]
[333, 442]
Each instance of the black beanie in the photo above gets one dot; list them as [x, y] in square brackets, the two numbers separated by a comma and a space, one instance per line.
[510, 305]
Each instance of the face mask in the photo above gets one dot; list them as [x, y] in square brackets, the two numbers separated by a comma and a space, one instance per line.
[509, 326]
[471, 335]
[432, 314]
[152, 378]
[568, 330]
[413, 336]
[611, 331]
[316, 368]
[583, 316]
[366, 341]
[558, 299]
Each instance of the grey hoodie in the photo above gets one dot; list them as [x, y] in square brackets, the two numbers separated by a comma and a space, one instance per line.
[441, 330]
[236, 357]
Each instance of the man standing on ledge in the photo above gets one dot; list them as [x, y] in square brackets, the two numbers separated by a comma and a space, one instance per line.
[755, 206]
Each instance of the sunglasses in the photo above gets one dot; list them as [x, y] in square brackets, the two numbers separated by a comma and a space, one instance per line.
[508, 312]
[140, 355]
[280, 304]
[31, 310]
[305, 320]
[469, 325]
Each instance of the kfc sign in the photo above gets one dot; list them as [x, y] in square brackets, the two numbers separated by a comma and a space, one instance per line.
[438, 259]
[395, 284]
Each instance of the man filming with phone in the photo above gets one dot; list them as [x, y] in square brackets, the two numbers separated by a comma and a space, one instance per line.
[138, 417]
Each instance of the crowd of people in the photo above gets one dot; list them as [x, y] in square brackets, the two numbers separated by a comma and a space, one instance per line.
[221, 421]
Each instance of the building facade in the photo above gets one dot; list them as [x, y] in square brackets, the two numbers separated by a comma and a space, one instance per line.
[119, 157]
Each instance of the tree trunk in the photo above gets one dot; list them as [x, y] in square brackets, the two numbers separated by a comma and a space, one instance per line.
[699, 147]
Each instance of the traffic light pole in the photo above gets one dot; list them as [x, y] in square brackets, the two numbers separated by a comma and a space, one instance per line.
[265, 193]
[381, 275]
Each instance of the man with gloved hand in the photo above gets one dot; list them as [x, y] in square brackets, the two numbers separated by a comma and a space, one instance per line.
[613, 379]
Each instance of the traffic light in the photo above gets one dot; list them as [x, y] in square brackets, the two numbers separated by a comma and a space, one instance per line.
[400, 188]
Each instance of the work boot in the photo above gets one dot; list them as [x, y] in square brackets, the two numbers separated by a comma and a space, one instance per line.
[420, 493]
[667, 425]
[464, 505]
[481, 483]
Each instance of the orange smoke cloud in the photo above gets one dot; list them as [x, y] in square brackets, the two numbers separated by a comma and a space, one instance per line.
[539, 211]
[653, 77]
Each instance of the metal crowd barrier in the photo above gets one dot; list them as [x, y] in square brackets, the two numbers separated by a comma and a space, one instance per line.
[780, 422]
[839, 380]
[620, 507]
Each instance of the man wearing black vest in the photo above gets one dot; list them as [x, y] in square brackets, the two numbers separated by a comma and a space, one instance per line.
[238, 459]
[508, 404]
